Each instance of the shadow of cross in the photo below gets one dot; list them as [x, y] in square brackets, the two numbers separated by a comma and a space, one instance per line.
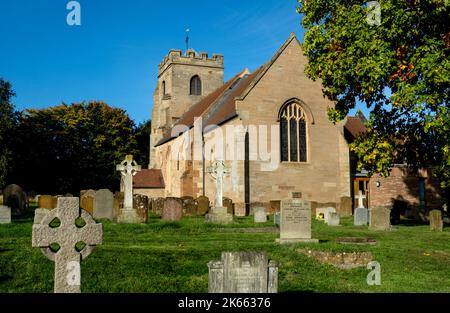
[67, 235]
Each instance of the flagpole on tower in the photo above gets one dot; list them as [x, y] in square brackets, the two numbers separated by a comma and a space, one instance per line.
[187, 38]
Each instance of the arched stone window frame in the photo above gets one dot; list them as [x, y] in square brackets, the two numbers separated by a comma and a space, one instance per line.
[195, 86]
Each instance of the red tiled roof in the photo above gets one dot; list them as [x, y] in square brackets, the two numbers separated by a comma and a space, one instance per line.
[148, 178]
[354, 126]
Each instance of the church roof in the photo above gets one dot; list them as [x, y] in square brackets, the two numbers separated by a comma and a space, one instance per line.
[355, 126]
[148, 178]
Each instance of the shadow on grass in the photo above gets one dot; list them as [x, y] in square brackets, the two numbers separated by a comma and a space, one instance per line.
[5, 250]
[5, 278]
[411, 223]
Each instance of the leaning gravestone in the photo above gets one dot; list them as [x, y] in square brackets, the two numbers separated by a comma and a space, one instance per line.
[47, 202]
[295, 223]
[260, 215]
[436, 222]
[140, 204]
[67, 235]
[380, 218]
[103, 204]
[15, 198]
[361, 217]
[173, 209]
[5, 214]
[334, 219]
[202, 205]
[243, 272]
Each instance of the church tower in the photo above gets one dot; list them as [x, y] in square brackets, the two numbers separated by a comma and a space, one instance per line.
[183, 80]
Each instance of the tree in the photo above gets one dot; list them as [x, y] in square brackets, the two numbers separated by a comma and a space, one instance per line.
[142, 133]
[7, 123]
[71, 147]
[399, 68]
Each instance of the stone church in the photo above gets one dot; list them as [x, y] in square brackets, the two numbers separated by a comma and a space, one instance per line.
[269, 127]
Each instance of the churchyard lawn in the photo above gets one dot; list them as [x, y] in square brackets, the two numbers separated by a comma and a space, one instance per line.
[171, 257]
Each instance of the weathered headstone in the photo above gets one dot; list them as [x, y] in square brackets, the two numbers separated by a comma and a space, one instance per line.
[275, 206]
[158, 206]
[322, 213]
[436, 222]
[173, 209]
[15, 198]
[333, 219]
[380, 218]
[345, 206]
[277, 219]
[117, 204]
[361, 217]
[47, 202]
[140, 204]
[295, 223]
[103, 204]
[69, 238]
[202, 205]
[1, 199]
[243, 272]
[87, 203]
[5, 214]
[128, 168]
[218, 213]
[260, 215]
[228, 203]
[189, 206]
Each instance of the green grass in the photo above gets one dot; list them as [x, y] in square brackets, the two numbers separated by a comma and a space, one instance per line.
[172, 257]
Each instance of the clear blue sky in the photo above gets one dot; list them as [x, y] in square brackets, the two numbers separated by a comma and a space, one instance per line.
[113, 56]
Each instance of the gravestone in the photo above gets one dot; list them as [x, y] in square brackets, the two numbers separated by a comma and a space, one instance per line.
[322, 213]
[128, 168]
[295, 223]
[333, 219]
[346, 206]
[87, 203]
[275, 206]
[380, 218]
[47, 202]
[158, 206]
[140, 204]
[103, 204]
[1, 199]
[39, 215]
[202, 205]
[117, 204]
[436, 222]
[5, 214]
[173, 209]
[67, 235]
[189, 206]
[228, 203]
[361, 217]
[243, 272]
[260, 215]
[15, 198]
[218, 214]
[277, 218]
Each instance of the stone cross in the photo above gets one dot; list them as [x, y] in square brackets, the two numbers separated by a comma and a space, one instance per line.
[128, 168]
[70, 238]
[218, 170]
[360, 197]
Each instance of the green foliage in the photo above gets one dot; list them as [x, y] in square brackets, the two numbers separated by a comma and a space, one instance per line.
[71, 147]
[400, 69]
[142, 133]
[7, 124]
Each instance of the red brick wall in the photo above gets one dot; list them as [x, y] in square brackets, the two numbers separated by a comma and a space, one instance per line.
[403, 185]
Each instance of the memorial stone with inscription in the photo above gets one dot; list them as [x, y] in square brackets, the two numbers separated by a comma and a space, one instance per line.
[361, 217]
[103, 204]
[295, 223]
[260, 215]
[243, 272]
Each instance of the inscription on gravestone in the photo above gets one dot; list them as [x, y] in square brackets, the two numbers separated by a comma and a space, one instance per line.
[295, 223]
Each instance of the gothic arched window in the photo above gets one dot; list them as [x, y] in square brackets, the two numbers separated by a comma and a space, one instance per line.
[196, 86]
[293, 133]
